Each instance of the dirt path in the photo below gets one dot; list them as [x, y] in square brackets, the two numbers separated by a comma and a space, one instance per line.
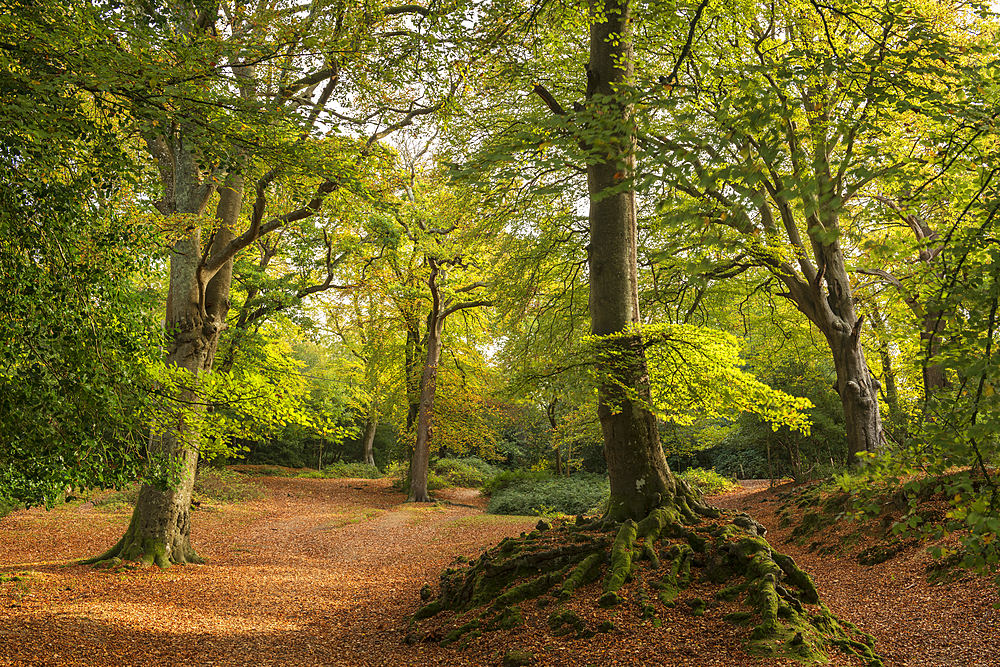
[317, 572]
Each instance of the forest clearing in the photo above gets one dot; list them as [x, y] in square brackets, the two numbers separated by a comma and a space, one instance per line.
[325, 572]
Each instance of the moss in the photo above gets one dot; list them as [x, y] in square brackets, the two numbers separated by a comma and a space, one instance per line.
[621, 557]
[529, 589]
[739, 617]
[657, 521]
[809, 524]
[564, 622]
[730, 592]
[679, 575]
[697, 606]
[508, 619]
[457, 633]
[609, 599]
[428, 610]
[797, 577]
[586, 571]
[518, 658]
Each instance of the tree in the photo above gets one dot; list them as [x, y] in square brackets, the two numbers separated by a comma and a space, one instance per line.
[800, 131]
[443, 253]
[216, 139]
[76, 330]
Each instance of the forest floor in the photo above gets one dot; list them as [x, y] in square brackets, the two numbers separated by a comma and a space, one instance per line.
[327, 572]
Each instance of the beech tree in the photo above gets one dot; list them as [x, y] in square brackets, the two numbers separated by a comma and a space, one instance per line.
[770, 148]
[248, 101]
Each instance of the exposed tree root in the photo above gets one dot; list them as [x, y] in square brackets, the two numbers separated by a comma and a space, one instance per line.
[649, 563]
[135, 547]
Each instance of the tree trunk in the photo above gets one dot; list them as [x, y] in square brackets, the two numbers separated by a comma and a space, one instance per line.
[160, 529]
[369, 438]
[930, 338]
[420, 460]
[550, 411]
[858, 393]
[640, 477]
[413, 373]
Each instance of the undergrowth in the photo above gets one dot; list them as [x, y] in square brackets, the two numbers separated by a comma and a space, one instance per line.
[707, 481]
[903, 512]
[211, 485]
[7, 506]
[534, 493]
[345, 469]
[469, 472]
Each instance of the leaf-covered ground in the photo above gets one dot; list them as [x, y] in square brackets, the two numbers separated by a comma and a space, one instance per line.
[326, 571]
[915, 623]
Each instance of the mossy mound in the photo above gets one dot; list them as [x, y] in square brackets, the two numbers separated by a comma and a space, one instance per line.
[668, 563]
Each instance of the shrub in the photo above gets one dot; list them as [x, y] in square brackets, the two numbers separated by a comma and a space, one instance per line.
[707, 481]
[536, 494]
[349, 470]
[507, 478]
[471, 472]
[400, 474]
[127, 496]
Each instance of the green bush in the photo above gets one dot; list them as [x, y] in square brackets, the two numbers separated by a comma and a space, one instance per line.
[471, 472]
[126, 496]
[707, 481]
[349, 470]
[508, 478]
[539, 493]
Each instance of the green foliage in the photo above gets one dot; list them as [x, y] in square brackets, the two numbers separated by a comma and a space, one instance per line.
[508, 478]
[126, 496]
[697, 372]
[7, 506]
[541, 494]
[75, 334]
[707, 481]
[342, 469]
[470, 472]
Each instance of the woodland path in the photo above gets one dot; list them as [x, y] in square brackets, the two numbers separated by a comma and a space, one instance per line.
[326, 572]
[316, 572]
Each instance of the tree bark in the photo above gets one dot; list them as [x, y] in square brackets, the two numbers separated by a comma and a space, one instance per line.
[160, 529]
[369, 438]
[639, 475]
[420, 460]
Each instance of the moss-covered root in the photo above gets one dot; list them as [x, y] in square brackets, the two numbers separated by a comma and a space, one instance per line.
[783, 602]
[492, 580]
[620, 566]
[137, 547]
